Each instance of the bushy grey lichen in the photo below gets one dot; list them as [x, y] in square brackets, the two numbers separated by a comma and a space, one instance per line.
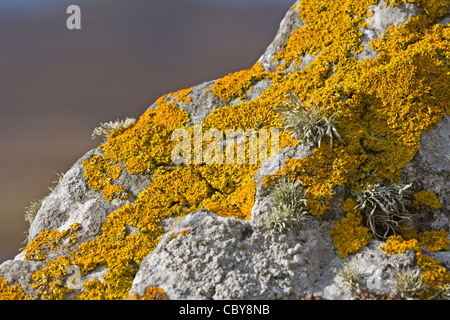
[308, 123]
[107, 128]
[351, 277]
[409, 284]
[289, 206]
[385, 208]
[32, 209]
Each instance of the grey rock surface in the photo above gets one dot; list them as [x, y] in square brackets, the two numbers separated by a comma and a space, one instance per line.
[290, 23]
[377, 271]
[224, 258]
[72, 201]
[382, 18]
[20, 272]
[430, 170]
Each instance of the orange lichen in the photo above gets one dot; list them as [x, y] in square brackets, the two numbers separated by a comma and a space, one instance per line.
[350, 205]
[235, 84]
[100, 174]
[435, 276]
[426, 200]
[14, 292]
[48, 282]
[151, 293]
[434, 9]
[431, 240]
[349, 235]
[434, 240]
[182, 96]
[181, 233]
[147, 144]
[382, 105]
[396, 244]
[330, 31]
[52, 239]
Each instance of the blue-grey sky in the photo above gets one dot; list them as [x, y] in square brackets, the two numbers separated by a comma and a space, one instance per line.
[33, 5]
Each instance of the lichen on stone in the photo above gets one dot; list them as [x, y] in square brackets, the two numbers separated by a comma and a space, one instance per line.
[14, 292]
[380, 106]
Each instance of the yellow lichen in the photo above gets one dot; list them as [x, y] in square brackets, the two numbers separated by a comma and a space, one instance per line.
[51, 239]
[349, 235]
[151, 293]
[14, 292]
[434, 240]
[396, 244]
[383, 106]
[426, 200]
[48, 283]
[100, 174]
[435, 276]
[235, 84]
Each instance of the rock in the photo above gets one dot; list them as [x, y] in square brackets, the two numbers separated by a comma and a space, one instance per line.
[430, 170]
[17, 272]
[290, 23]
[73, 201]
[382, 18]
[377, 271]
[225, 258]
[204, 255]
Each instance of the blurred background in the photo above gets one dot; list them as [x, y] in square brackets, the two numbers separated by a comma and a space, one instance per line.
[57, 85]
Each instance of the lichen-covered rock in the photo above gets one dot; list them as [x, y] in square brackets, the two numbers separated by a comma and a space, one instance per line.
[127, 220]
[226, 258]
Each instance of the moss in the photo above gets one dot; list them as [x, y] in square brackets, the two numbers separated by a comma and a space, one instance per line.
[14, 292]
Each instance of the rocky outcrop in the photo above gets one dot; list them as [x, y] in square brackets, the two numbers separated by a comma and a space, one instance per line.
[208, 253]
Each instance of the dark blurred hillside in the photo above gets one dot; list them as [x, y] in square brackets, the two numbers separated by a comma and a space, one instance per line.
[56, 85]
